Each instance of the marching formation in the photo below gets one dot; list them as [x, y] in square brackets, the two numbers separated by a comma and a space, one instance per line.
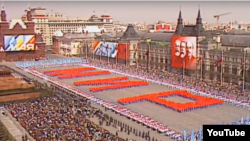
[206, 87]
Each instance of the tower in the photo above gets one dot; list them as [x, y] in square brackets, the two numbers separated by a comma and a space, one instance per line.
[29, 16]
[199, 25]
[179, 27]
[3, 14]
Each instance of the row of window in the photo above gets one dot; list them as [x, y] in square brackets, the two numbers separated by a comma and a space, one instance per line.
[233, 59]
[203, 55]
[155, 50]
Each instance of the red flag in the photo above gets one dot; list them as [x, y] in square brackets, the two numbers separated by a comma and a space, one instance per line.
[199, 60]
[218, 62]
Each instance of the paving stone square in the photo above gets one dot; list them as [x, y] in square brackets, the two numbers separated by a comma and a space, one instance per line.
[175, 120]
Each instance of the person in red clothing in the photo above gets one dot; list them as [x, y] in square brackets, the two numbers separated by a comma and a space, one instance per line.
[190, 60]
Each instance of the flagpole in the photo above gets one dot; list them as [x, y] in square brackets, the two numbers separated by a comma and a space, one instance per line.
[183, 68]
[116, 56]
[108, 53]
[100, 57]
[126, 53]
[86, 49]
[148, 53]
[93, 49]
[243, 73]
[116, 59]
[148, 57]
[136, 59]
[221, 68]
[93, 55]
[100, 50]
[201, 57]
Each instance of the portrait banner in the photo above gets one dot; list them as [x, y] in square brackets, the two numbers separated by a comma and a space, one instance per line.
[184, 52]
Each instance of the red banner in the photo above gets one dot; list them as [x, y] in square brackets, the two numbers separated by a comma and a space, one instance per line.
[123, 51]
[184, 52]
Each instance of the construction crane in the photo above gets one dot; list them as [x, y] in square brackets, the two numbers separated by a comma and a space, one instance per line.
[217, 17]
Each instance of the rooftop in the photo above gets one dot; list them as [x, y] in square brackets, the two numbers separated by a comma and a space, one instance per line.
[236, 40]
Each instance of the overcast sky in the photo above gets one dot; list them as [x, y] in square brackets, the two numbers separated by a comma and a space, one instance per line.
[139, 11]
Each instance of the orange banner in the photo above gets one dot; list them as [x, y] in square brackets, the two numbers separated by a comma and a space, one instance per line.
[95, 44]
[184, 52]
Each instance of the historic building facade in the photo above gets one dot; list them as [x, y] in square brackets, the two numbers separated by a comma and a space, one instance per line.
[13, 49]
[49, 23]
[210, 47]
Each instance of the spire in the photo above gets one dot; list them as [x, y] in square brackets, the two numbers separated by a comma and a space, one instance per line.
[3, 14]
[180, 16]
[199, 25]
[199, 14]
[28, 14]
[199, 19]
[179, 27]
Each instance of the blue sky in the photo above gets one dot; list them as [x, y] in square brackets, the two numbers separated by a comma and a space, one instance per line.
[139, 11]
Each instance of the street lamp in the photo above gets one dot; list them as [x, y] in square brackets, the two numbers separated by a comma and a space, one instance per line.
[116, 57]
[86, 49]
[126, 52]
[147, 53]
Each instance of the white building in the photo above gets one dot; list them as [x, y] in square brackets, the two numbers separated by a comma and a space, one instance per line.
[49, 23]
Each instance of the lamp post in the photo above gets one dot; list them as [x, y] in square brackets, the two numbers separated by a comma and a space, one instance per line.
[137, 55]
[93, 50]
[107, 49]
[86, 49]
[148, 52]
[116, 57]
[126, 52]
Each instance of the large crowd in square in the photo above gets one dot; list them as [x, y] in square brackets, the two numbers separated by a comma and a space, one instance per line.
[60, 118]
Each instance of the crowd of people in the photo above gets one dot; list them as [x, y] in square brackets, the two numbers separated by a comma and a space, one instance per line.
[64, 116]
[61, 117]
[201, 84]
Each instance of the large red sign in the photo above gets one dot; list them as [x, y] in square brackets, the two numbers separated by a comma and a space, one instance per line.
[123, 51]
[162, 27]
[184, 52]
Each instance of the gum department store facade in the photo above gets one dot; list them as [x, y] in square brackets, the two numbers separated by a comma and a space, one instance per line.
[211, 43]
